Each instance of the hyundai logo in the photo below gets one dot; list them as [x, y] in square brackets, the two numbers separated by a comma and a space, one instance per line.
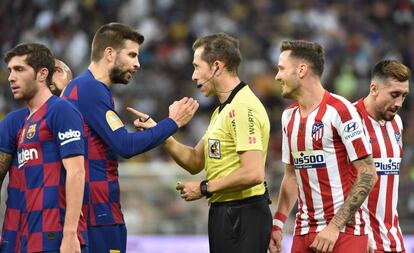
[351, 127]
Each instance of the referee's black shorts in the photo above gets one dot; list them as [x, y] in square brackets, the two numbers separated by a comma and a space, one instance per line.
[240, 226]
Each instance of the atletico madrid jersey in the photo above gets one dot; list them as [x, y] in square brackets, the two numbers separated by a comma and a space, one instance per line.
[107, 138]
[321, 147]
[10, 128]
[382, 216]
[52, 133]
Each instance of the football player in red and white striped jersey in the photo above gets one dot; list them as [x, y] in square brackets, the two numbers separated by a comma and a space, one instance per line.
[388, 90]
[327, 159]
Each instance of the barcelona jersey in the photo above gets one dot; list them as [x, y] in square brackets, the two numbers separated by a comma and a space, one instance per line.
[10, 128]
[107, 138]
[52, 133]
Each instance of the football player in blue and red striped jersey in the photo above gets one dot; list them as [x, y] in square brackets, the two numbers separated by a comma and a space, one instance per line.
[114, 59]
[50, 157]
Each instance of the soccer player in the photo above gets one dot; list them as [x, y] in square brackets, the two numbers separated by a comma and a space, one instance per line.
[328, 166]
[50, 163]
[9, 128]
[232, 151]
[114, 59]
[388, 90]
[61, 77]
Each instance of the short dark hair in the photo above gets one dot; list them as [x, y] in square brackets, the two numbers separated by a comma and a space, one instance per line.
[311, 52]
[222, 47]
[38, 56]
[113, 35]
[390, 69]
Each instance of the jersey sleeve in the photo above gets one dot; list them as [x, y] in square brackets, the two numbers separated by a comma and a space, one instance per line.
[66, 125]
[349, 126]
[286, 154]
[9, 128]
[245, 128]
[97, 109]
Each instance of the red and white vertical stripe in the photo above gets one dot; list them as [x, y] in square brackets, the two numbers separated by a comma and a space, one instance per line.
[322, 161]
[382, 216]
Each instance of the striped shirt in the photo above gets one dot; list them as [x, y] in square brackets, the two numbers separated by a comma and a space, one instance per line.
[382, 218]
[321, 147]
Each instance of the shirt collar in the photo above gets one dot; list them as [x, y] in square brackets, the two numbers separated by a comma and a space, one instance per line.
[232, 95]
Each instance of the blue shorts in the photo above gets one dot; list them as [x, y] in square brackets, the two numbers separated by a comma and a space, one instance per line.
[84, 249]
[107, 239]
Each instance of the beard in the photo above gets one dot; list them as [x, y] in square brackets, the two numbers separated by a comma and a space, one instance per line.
[387, 116]
[55, 90]
[117, 75]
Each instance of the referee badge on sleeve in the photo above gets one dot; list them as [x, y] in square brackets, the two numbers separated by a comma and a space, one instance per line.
[214, 148]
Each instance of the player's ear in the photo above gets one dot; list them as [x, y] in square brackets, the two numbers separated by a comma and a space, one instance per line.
[42, 74]
[109, 54]
[302, 69]
[373, 89]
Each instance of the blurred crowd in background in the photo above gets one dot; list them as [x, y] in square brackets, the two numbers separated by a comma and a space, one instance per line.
[355, 34]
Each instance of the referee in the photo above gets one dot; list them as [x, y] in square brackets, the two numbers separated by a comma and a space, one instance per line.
[232, 152]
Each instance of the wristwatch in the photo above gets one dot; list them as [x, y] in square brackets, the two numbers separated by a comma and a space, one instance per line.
[204, 189]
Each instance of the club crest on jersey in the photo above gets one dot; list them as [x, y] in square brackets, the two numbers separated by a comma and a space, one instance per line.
[214, 148]
[397, 136]
[317, 131]
[31, 131]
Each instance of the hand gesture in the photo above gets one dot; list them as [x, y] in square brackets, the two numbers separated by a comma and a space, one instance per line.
[143, 121]
[183, 111]
[70, 244]
[325, 241]
[275, 244]
[189, 190]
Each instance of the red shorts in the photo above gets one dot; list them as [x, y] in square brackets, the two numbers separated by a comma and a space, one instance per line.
[346, 243]
[381, 251]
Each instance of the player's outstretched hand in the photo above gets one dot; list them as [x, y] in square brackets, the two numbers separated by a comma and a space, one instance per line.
[183, 111]
[143, 121]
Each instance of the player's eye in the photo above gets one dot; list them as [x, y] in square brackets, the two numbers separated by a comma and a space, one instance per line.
[395, 95]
